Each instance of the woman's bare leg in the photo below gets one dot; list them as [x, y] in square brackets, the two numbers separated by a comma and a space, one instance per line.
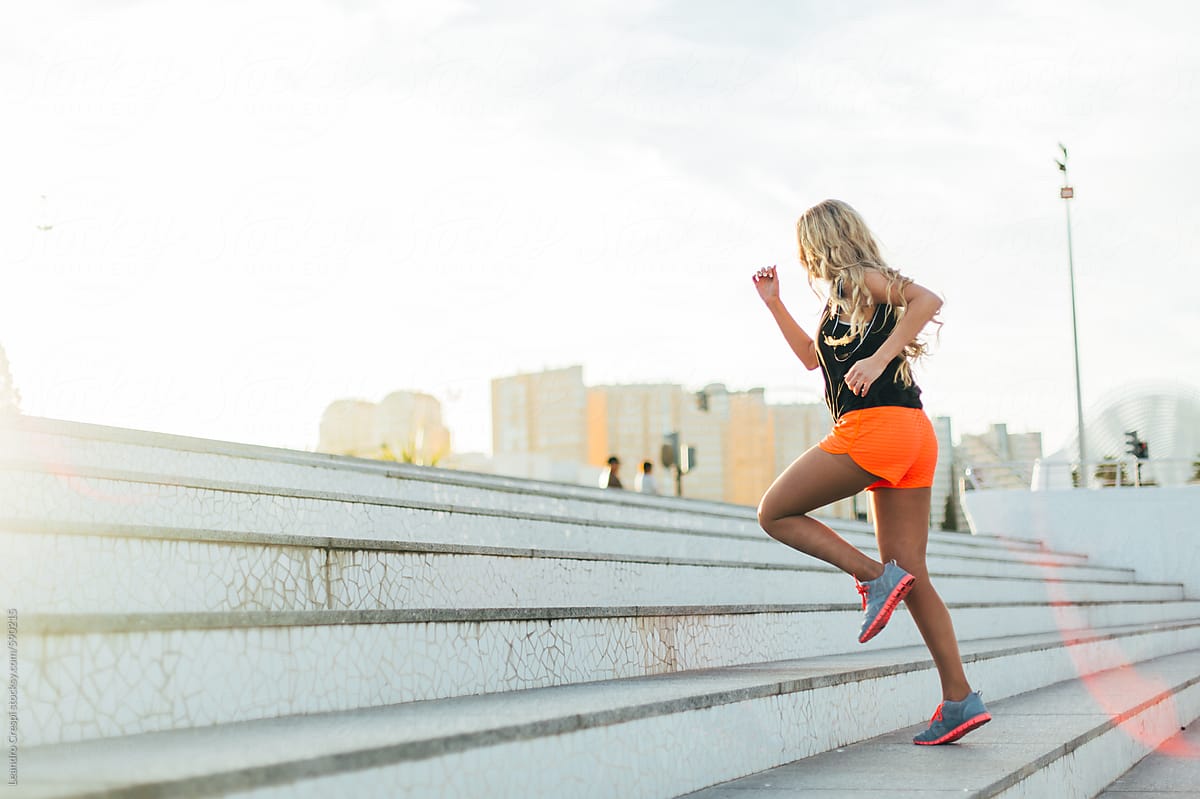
[815, 479]
[902, 531]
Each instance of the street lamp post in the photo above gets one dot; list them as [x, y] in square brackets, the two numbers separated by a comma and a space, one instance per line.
[1067, 193]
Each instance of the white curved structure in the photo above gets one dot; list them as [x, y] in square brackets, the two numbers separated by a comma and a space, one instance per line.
[1165, 415]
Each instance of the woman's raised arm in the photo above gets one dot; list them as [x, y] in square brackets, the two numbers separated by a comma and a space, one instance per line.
[767, 282]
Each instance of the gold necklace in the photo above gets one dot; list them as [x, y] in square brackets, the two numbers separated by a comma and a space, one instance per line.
[861, 339]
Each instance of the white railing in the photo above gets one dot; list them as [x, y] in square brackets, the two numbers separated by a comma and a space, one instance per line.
[1041, 475]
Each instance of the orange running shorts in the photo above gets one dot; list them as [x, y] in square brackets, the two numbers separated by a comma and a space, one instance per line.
[895, 444]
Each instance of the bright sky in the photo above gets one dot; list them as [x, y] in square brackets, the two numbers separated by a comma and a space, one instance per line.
[256, 208]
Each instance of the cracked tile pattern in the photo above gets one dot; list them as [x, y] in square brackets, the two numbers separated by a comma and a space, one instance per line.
[142, 681]
[654, 757]
[88, 685]
[89, 574]
[86, 573]
[679, 747]
[97, 685]
[370, 579]
[63, 454]
[378, 579]
[45, 496]
[671, 755]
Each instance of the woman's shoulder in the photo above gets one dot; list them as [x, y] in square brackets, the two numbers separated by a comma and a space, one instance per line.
[884, 289]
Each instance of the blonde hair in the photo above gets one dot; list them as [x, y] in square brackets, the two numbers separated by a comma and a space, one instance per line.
[837, 247]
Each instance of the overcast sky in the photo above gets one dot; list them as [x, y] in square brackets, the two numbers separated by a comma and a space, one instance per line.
[216, 218]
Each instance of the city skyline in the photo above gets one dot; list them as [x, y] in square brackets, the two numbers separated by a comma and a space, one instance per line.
[220, 220]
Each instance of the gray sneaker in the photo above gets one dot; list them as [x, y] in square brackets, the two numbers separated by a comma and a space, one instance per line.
[880, 597]
[953, 720]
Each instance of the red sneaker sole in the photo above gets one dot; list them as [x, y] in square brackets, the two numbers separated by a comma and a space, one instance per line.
[898, 593]
[959, 731]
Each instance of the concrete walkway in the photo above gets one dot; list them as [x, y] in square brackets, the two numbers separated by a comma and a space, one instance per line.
[1061, 740]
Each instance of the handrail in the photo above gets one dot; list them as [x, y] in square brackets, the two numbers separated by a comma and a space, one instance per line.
[1041, 474]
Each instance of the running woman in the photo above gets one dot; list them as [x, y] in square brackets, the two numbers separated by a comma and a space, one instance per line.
[881, 441]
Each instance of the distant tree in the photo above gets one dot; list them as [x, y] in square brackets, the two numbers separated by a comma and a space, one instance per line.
[1107, 471]
[1196, 469]
[410, 453]
[950, 516]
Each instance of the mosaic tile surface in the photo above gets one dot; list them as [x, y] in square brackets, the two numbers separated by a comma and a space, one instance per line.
[97, 685]
[102, 573]
[44, 496]
[755, 735]
[64, 455]
[80, 686]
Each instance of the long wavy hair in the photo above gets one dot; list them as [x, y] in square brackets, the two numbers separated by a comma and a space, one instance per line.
[837, 248]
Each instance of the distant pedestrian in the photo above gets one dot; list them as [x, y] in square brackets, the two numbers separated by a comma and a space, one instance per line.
[611, 479]
[645, 482]
[881, 441]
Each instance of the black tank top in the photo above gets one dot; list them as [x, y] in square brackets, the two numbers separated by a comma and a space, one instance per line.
[837, 360]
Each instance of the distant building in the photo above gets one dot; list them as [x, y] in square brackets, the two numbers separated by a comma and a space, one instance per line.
[550, 425]
[730, 431]
[543, 413]
[945, 505]
[630, 421]
[998, 458]
[405, 426]
[348, 427]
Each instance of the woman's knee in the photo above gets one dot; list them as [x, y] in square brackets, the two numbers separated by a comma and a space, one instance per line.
[771, 512]
[766, 515]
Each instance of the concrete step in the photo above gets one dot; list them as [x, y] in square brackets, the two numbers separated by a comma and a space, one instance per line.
[204, 618]
[1070, 739]
[200, 570]
[80, 450]
[1171, 770]
[648, 737]
[156, 671]
[121, 490]
[31, 496]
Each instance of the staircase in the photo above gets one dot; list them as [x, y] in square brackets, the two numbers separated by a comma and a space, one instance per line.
[200, 618]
